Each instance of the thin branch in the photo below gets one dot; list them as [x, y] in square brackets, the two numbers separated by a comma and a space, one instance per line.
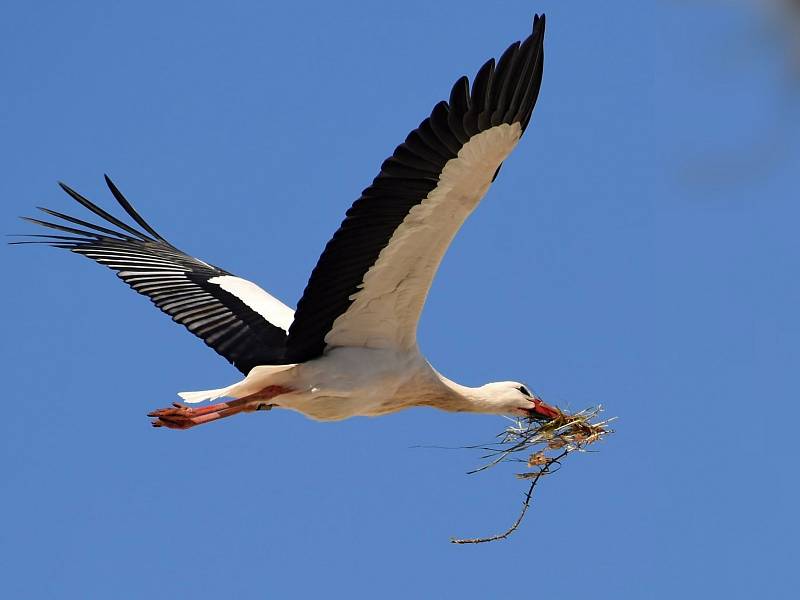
[501, 536]
[564, 433]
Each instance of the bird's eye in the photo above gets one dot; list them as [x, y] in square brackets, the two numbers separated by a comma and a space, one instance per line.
[525, 391]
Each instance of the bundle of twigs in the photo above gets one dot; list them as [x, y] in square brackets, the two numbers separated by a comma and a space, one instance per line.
[541, 446]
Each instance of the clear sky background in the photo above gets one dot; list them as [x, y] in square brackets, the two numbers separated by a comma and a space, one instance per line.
[639, 249]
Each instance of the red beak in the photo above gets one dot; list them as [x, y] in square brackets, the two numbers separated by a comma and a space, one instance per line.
[544, 411]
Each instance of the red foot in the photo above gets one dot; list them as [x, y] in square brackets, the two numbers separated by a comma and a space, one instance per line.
[180, 416]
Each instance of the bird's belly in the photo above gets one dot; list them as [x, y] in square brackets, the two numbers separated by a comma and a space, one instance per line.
[349, 382]
[337, 408]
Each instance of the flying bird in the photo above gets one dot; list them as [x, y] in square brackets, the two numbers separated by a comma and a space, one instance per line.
[350, 347]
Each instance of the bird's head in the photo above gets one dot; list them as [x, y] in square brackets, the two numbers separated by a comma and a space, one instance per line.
[514, 398]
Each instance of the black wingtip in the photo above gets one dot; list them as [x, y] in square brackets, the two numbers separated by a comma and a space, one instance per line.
[88, 204]
[111, 185]
[128, 208]
[114, 189]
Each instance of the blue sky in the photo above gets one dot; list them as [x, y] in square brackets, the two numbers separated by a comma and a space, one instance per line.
[639, 249]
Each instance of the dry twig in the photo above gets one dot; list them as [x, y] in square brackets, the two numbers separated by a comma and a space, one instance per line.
[567, 433]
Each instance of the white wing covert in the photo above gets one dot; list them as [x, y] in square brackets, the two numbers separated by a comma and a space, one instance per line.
[235, 317]
[371, 281]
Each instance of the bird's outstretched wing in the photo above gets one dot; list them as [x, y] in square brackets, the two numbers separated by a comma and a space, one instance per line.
[371, 281]
[235, 317]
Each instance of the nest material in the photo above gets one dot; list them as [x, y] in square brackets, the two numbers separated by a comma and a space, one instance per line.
[541, 446]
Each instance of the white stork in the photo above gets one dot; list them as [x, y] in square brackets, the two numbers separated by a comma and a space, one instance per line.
[350, 347]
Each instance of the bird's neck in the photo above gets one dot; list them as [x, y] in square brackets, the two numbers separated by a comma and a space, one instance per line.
[461, 398]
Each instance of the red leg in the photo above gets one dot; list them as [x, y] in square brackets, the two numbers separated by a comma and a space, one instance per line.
[180, 416]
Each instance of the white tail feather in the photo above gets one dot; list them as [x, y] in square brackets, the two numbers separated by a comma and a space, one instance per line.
[195, 397]
[258, 378]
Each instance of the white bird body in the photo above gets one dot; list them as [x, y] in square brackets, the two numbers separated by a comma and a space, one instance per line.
[350, 348]
[366, 382]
